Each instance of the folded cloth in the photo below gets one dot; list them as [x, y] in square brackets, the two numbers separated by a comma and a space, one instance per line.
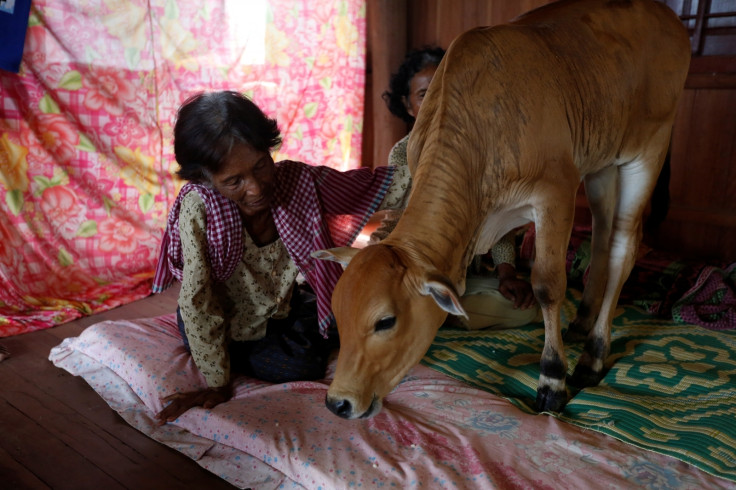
[488, 308]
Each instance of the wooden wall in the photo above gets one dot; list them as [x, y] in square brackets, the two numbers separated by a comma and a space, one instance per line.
[702, 218]
[440, 21]
[397, 26]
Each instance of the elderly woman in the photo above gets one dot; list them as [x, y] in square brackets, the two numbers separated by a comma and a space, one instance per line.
[238, 235]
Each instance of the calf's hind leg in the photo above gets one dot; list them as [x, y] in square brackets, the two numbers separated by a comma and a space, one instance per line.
[636, 182]
[600, 189]
[553, 221]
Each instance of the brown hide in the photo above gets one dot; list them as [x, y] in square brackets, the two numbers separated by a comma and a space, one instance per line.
[515, 117]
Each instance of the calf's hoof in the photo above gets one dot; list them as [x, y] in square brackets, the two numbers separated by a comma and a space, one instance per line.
[583, 377]
[549, 400]
[573, 336]
[575, 333]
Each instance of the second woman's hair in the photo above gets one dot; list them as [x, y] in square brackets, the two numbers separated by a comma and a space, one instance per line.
[398, 88]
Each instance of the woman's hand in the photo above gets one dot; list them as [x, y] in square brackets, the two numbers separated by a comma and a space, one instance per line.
[514, 289]
[181, 402]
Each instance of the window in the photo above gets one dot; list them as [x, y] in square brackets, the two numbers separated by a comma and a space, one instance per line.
[711, 24]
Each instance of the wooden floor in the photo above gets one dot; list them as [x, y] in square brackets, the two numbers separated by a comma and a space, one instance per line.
[56, 432]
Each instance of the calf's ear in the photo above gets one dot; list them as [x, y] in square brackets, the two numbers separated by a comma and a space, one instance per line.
[341, 255]
[444, 294]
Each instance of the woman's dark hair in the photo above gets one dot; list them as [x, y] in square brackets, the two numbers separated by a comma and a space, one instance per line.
[398, 88]
[209, 124]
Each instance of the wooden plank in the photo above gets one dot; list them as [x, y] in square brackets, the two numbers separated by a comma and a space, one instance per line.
[45, 455]
[96, 444]
[80, 437]
[14, 475]
[388, 41]
[422, 23]
[713, 216]
[713, 64]
[89, 414]
[701, 221]
[504, 11]
[710, 140]
[453, 22]
[711, 80]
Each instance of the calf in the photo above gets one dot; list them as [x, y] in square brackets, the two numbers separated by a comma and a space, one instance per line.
[515, 117]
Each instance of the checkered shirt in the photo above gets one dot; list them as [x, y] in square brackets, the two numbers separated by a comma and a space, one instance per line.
[314, 208]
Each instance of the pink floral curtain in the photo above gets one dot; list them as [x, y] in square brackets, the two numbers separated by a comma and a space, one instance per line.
[86, 163]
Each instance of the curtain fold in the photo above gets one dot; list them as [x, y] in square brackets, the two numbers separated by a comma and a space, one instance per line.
[86, 157]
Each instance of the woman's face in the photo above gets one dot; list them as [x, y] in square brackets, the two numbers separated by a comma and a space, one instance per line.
[417, 88]
[247, 178]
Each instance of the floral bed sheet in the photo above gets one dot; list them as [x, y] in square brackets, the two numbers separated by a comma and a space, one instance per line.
[434, 432]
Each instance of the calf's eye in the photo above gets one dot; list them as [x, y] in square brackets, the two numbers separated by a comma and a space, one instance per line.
[385, 323]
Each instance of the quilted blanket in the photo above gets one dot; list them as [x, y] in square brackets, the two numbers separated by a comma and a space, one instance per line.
[434, 431]
[670, 387]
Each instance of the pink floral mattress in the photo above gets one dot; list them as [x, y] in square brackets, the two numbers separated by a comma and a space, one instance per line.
[434, 432]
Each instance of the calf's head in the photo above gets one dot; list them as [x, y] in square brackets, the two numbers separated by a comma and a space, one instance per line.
[388, 307]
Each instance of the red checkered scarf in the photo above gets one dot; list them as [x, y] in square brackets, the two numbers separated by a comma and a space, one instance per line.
[314, 208]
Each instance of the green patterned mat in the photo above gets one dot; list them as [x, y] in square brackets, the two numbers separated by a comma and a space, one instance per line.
[671, 388]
